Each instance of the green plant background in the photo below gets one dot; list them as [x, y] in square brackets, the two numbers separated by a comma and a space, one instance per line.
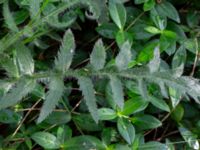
[99, 74]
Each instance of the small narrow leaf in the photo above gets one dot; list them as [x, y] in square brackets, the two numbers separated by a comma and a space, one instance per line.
[9, 18]
[87, 89]
[154, 64]
[118, 14]
[46, 140]
[56, 88]
[117, 91]
[24, 59]
[124, 57]
[65, 55]
[126, 129]
[98, 55]
[23, 87]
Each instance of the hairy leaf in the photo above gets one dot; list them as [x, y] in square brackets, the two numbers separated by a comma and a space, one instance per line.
[9, 18]
[98, 55]
[117, 91]
[16, 94]
[56, 88]
[65, 55]
[87, 89]
[24, 59]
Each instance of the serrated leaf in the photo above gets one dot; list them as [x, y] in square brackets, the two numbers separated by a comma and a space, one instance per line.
[35, 9]
[179, 61]
[154, 64]
[23, 87]
[56, 88]
[87, 89]
[124, 57]
[98, 55]
[9, 20]
[117, 91]
[126, 130]
[167, 9]
[46, 140]
[65, 55]
[118, 14]
[24, 59]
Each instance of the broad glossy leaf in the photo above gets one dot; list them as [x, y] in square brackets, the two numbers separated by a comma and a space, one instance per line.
[167, 9]
[118, 14]
[152, 29]
[178, 113]
[146, 122]
[108, 30]
[134, 105]
[46, 140]
[159, 103]
[64, 133]
[87, 123]
[84, 142]
[106, 114]
[126, 130]
[8, 116]
[58, 118]
[148, 5]
[98, 55]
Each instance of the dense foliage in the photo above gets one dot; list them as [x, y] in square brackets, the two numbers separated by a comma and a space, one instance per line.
[99, 74]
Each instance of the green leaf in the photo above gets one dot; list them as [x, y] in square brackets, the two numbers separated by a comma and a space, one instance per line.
[98, 55]
[87, 123]
[9, 20]
[122, 37]
[126, 130]
[64, 133]
[58, 118]
[106, 114]
[140, 1]
[153, 146]
[148, 5]
[24, 59]
[107, 30]
[153, 30]
[159, 103]
[84, 142]
[8, 116]
[189, 137]
[146, 122]
[179, 61]
[167, 9]
[118, 14]
[154, 64]
[117, 91]
[134, 105]
[87, 89]
[35, 9]
[56, 89]
[178, 113]
[124, 57]
[22, 88]
[65, 55]
[46, 140]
